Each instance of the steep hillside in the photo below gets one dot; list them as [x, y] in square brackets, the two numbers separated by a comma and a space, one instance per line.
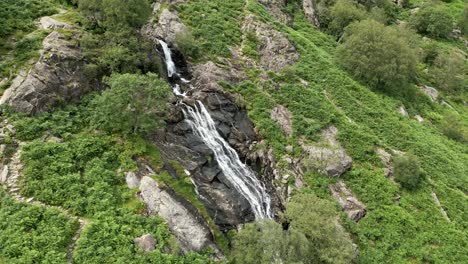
[239, 131]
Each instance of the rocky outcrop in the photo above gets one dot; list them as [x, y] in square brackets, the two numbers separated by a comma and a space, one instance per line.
[284, 118]
[431, 92]
[190, 232]
[386, 158]
[276, 10]
[275, 49]
[348, 202]
[56, 78]
[327, 156]
[310, 11]
[167, 27]
[133, 181]
[402, 111]
[53, 24]
[207, 76]
[146, 242]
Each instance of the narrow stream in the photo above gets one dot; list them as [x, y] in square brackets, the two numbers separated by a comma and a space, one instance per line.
[240, 176]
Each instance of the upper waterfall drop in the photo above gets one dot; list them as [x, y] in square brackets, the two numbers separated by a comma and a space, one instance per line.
[170, 65]
[239, 175]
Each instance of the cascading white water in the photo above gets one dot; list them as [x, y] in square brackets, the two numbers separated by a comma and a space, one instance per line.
[241, 177]
[170, 65]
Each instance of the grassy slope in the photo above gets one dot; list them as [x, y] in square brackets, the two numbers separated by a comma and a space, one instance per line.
[412, 230]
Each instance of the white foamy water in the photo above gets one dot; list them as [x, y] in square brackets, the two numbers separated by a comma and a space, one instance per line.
[239, 175]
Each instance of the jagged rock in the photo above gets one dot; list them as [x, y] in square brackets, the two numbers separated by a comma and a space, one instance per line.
[419, 118]
[284, 118]
[386, 159]
[132, 180]
[206, 76]
[11, 129]
[310, 11]
[167, 27]
[146, 242]
[55, 78]
[4, 174]
[275, 49]
[327, 157]
[190, 232]
[275, 7]
[402, 111]
[50, 23]
[348, 202]
[430, 91]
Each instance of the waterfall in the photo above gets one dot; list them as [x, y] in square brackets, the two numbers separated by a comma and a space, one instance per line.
[239, 175]
[171, 68]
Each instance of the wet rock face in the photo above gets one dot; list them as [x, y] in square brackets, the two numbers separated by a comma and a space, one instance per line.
[227, 207]
[57, 77]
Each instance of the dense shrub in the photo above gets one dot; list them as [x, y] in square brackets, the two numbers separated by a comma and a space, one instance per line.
[133, 104]
[452, 127]
[313, 236]
[343, 13]
[449, 71]
[434, 21]
[463, 22]
[377, 55]
[33, 234]
[188, 45]
[407, 171]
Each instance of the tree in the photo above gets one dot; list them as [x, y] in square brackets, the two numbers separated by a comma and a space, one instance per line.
[449, 71]
[343, 13]
[266, 242]
[407, 171]
[313, 236]
[316, 219]
[377, 55]
[133, 104]
[434, 21]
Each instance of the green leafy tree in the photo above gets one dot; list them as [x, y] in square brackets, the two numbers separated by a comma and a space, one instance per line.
[377, 55]
[343, 13]
[407, 171]
[463, 22]
[449, 71]
[133, 103]
[266, 242]
[316, 219]
[434, 21]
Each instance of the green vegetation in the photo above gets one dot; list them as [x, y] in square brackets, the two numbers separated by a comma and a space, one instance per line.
[32, 233]
[407, 171]
[132, 104]
[313, 236]
[377, 55]
[215, 24]
[344, 12]
[435, 21]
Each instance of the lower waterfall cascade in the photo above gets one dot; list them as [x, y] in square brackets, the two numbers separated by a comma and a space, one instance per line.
[242, 178]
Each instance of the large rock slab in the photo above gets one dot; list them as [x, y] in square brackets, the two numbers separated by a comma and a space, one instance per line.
[167, 27]
[310, 11]
[276, 9]
[56, 78]
[348, 202]
[275, 49]
[327, 156]
[190, 232]
[284, 118]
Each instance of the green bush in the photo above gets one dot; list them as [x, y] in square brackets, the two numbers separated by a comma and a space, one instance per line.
[449, 71]
[463, 22]
[434, 21]
[452, 127]
[407, 171]
[343, 13]
[133, 104]
[377, 55]
[188, 45]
